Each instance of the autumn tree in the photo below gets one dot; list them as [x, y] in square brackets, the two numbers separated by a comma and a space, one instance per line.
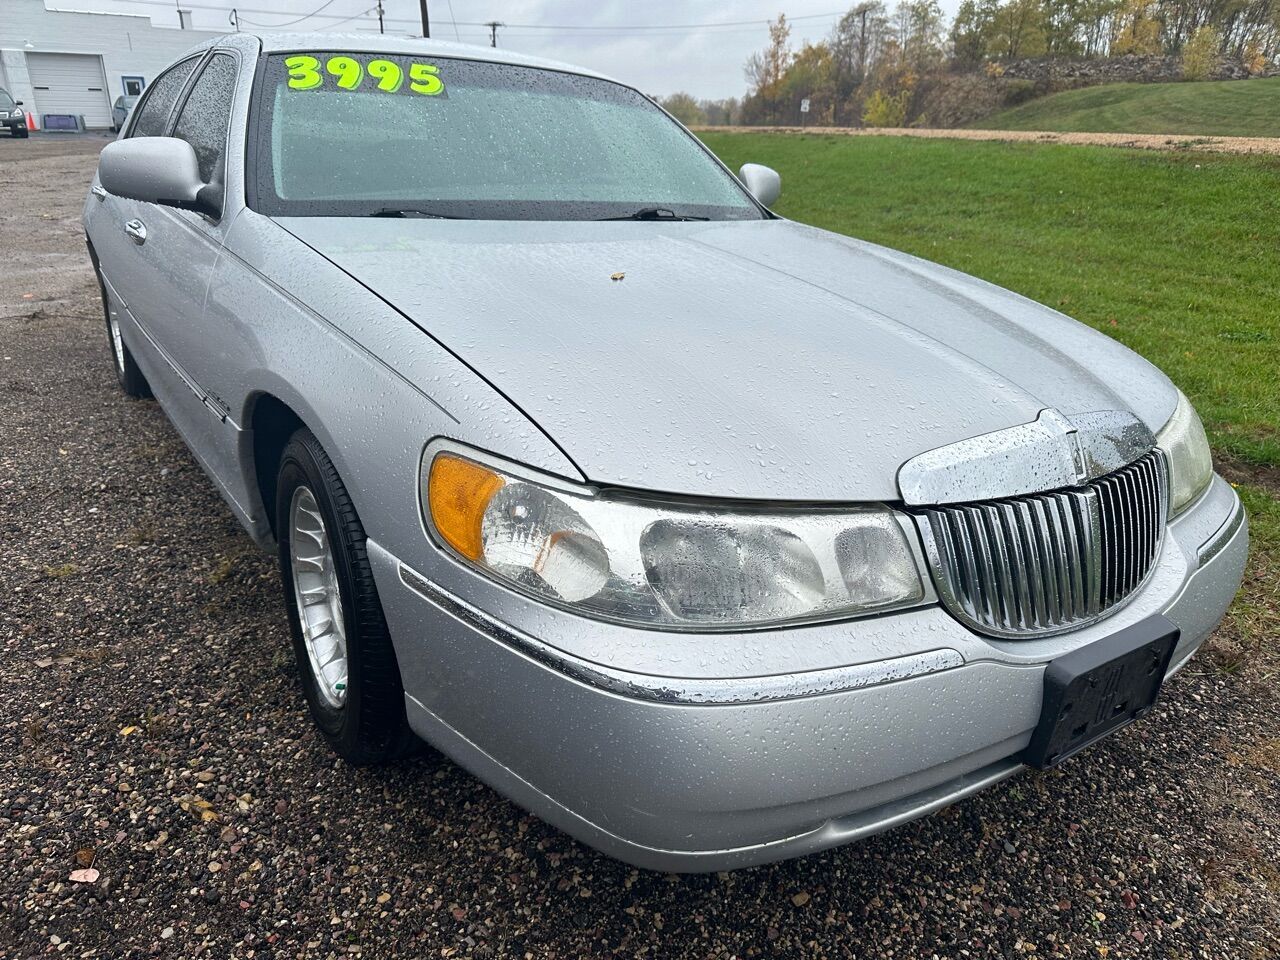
[1019, 30]
[684, 108]
[721, 113]
[855, 43]
[972, 31]
[920, 29]
[765, 70]
[811, 76]
[1137, 29]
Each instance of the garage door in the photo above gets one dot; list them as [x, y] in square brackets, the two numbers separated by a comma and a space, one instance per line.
[70, 83]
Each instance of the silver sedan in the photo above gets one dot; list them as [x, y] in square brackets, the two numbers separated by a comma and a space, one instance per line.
[709, 537]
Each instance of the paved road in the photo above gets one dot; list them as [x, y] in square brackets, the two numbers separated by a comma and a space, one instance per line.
[150, 725]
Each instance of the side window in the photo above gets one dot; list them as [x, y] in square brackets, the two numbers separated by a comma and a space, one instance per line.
[154, 115]
[206, 115]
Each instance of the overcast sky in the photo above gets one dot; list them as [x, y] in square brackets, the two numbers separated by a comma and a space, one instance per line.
[706, 61]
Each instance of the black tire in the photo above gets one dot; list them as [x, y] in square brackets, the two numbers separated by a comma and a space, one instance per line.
[370, 726]
[131, 380]
[20, 131]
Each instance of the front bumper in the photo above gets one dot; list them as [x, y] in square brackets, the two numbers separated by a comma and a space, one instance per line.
[742, 763]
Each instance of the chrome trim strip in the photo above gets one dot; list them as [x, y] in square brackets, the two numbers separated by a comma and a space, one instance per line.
[1218, 542]
[673, 690]
[214, 405]
[1049, 453]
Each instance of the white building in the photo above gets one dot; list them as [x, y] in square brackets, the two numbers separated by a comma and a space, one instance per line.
[69, 62]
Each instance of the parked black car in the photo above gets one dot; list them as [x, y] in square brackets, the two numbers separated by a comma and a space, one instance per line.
[11, 114]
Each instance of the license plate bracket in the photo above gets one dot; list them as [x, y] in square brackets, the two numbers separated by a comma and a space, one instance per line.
[1094, 691]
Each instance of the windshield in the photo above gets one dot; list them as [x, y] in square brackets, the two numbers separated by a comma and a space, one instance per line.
[5, 99]
[356, 134]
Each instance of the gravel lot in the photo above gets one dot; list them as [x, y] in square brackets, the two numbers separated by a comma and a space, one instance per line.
[151, 728]
[1138, 141]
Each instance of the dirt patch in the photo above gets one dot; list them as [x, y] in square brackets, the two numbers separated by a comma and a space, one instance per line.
[1252, 474]
[1139, 141]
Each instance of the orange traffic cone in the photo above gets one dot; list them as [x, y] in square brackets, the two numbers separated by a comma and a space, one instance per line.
[31, 121]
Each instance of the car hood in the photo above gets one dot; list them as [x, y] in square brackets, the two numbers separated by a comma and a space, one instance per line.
[761, 360]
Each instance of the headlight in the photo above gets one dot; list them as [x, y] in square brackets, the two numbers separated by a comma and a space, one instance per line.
[665, 564]
[1190, 463]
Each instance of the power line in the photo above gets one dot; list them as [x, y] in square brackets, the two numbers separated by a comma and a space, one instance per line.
[327, 26]
[289, 23]
[354, 16]
[604, 28]
[452, 20]
[653, 26]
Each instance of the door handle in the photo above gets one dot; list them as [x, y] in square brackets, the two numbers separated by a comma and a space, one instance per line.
[137, 230]
[98, 192]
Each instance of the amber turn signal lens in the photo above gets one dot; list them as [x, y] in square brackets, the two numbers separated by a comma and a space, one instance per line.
[458, 493]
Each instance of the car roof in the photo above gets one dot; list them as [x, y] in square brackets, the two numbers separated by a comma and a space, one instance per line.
[272, 42]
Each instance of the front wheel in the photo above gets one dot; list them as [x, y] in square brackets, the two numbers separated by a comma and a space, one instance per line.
[345, 658]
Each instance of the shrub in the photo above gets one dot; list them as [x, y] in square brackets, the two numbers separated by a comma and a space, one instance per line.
[1200, 55]
[1255, 60]
[883, 110]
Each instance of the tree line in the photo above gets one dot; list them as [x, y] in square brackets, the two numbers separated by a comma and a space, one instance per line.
[876, 62]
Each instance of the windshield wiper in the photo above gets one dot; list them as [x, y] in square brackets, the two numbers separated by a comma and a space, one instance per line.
[412, 212]
[654, 213]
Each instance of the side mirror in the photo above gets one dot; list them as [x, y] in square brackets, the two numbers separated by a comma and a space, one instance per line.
[152, 169]
[763, 182]
[17, 103]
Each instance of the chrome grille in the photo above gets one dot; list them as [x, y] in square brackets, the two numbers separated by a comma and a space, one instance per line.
[1048, 562]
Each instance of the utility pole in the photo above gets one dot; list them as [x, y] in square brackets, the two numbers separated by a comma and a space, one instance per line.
[234, 19]
[380, 30]
[493, 26]
[426, 21]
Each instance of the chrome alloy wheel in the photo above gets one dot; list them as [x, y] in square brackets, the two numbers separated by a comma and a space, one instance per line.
[319, 599]
[117, 344]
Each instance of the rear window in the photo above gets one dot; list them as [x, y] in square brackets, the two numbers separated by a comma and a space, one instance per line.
[153, 118]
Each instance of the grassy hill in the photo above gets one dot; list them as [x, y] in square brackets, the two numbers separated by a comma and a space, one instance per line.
[1171, 253]
[1224, 108]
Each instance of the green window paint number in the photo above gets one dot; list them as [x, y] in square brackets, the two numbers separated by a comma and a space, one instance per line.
[304, 73]
[388, 74]
[349, 74]
[348, 71]
[425, 80]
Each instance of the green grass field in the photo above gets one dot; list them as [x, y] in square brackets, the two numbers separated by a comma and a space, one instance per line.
[1176, 255]
[1226, 108]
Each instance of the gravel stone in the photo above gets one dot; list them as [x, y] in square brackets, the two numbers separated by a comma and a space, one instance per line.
[1162, 842]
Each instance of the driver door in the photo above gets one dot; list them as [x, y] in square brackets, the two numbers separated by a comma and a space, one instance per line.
[174, 254]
